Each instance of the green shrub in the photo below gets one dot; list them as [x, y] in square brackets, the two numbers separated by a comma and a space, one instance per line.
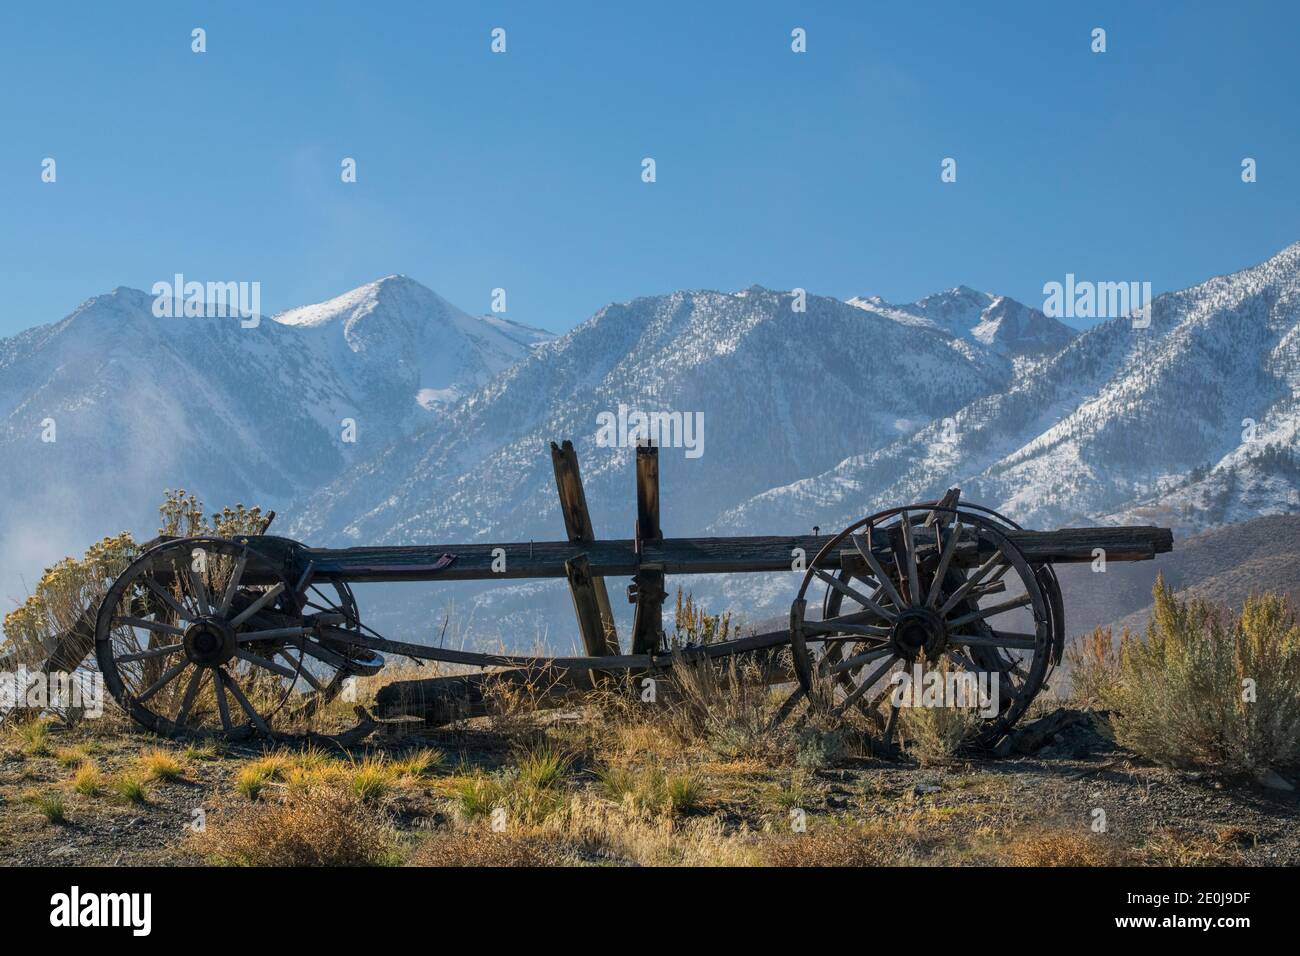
[1213, 690]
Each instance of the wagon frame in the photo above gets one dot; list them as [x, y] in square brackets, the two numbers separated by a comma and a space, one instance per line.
[211, 635]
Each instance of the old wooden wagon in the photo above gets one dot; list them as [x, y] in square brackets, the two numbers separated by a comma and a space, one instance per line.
[237, 636]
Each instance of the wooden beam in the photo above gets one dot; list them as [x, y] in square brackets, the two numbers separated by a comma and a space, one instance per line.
[647, 621]
[616, 558]
[590, 597]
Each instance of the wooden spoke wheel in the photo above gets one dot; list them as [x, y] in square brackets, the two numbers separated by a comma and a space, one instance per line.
[929, 585]
[204, 635]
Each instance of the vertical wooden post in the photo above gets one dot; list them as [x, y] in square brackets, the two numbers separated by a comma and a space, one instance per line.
[647, 622]
[590, 598]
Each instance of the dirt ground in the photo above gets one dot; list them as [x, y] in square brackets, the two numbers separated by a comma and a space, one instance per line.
[1079, 799]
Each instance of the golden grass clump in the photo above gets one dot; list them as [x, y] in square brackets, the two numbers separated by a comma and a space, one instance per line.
[33, 737]
[88, 781]
[160, 765]
[318, 826]
[1210, 689]
[651, 789]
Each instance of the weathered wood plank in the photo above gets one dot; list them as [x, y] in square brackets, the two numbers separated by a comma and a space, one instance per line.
[545, 559]
[590, 597]
[647, 621]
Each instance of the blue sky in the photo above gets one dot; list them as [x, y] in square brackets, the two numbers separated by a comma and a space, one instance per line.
[522, 170]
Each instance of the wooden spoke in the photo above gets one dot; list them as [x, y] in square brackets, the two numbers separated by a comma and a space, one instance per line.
[253, 715]
[859, 659]
[909, 557]
[167, 677]
[152, 652]
[223, 706]
[877, 570]
[945, 559]
[273, 634]
[839, 626]
[266, 598]
[1026, 642]
[269, 665]
[161, 593]
[992, 611]
[866, 684]
[232, 585]
[854, 594]
[980, 573]
[188, 701]
[892, 724]
[300, 668]
[148, 625]
[785, 709]
[200, 590]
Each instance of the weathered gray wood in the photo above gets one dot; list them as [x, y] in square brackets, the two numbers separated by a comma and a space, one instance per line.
[590, 597]
[545, 559]
[647, 621]
[596, 638]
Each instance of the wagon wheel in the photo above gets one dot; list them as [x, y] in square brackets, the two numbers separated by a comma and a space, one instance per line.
[204, 635]
[335, 603]
[908, 594]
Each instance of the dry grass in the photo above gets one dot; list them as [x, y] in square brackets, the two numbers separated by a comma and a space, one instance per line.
[935, 735]
[159, 765]
[130, 788]
[1173, 846]
[1059, 847]
[71, 756]
[486, 848]
[898, 843]
[651, 789]
[88, 781]
[1093, 663]
[51, 807]
[33, 737]
[317, 826]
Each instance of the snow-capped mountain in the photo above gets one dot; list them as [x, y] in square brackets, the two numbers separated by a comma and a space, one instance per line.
[781, 393]
[397, 342]
[797, 417]
[1192, 421]
[997, 322]
[104, 409]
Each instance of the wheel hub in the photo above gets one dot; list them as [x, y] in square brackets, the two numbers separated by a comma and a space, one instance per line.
[209, 641]
[918, 629]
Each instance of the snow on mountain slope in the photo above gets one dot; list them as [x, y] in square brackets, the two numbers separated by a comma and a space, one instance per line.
[398, 342]
[137, 404]
[994, 321]
[1120, 416]
[781, 393]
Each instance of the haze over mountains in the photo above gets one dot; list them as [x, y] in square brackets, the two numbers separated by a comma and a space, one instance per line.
[812, 417]
[138, 404]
